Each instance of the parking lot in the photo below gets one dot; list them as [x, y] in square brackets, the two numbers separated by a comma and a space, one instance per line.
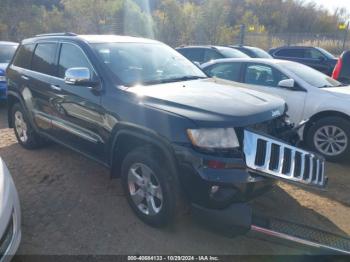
[71, 206]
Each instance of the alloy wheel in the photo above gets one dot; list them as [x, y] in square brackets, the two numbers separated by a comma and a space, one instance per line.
[21, 126]
[145, 190]
[330, 140]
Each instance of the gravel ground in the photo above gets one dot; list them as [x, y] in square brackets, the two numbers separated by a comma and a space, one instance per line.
[70, 206]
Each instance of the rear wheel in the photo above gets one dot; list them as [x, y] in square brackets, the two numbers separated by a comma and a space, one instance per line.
[150, 187]
[330, 137]
[26, 135]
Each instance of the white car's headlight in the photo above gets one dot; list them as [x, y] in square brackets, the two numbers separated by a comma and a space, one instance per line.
[2, 78]
[214, 138]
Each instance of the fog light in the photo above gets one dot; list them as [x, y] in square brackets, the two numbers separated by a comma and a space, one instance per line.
[221, 194]
[214, 189]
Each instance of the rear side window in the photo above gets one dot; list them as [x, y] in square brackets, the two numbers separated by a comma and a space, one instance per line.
[297, 53]
[228, 71]
[44, 58]
[72, 56]
[23, 57]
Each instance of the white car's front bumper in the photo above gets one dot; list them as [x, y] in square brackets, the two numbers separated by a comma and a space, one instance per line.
[10, 215]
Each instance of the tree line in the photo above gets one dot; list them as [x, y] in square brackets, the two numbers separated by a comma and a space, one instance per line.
[175, 22]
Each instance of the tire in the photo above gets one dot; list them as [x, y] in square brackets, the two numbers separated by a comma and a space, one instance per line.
[25, 133]
[330, 137]
[162, 186]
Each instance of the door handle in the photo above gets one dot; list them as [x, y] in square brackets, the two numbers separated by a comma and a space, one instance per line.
[56, 87]
[25, 77]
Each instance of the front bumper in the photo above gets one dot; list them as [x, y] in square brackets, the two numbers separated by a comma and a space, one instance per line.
[3, 91]
[218, 188]
[10, 215]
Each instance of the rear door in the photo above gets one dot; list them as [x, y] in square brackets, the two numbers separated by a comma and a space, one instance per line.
[265, 78]
[78, 118]
[40, 80]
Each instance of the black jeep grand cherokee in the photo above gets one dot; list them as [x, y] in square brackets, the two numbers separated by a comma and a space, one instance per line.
[171, 133]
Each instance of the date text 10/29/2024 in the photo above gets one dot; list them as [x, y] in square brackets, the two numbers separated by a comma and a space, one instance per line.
[173, 258]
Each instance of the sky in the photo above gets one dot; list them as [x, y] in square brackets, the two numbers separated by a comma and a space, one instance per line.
[333, 4]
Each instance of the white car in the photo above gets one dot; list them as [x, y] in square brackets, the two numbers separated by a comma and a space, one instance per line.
[10, 215]
[309, 95]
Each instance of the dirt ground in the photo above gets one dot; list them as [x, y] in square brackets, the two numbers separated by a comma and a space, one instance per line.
[71, 206]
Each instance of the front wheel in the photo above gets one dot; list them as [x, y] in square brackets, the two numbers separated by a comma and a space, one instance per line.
[330, 137]
[150, 187]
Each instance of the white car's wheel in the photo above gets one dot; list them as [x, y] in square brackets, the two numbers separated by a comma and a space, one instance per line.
[330, 137]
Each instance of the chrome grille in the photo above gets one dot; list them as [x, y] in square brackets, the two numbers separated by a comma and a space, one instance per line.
[277, 159]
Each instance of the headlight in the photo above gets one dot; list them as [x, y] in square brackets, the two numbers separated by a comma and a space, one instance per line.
[2, 78]
[212, 138]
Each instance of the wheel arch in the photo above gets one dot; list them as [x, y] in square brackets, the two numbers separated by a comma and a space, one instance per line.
[128, 138]
[320, 115]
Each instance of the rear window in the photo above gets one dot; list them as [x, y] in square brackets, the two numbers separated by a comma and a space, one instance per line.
[232, 53]
[297, 53]
[23, 57]
[44, 58]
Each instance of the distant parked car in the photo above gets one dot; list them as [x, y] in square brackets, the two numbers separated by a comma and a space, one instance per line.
[314, 57]
[253, 52]
[7, 50]
[342, 69]
[308, 93]
[10, 215]
[203, 54]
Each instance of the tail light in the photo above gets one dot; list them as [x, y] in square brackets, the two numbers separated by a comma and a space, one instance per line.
[337, 69]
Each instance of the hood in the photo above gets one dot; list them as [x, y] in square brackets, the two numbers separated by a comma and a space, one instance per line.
[212, 102]
[342, 91]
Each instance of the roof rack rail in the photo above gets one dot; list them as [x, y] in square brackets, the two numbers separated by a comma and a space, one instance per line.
[58, 34]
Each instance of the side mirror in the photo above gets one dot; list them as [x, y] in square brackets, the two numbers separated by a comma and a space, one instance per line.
[287, 83]
[78, 76]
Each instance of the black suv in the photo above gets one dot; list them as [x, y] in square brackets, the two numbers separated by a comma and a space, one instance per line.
[204, 54]
[314, 57]
[150, 115]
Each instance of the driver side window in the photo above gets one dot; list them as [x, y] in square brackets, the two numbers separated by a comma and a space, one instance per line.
[72, 56]
[263, 75]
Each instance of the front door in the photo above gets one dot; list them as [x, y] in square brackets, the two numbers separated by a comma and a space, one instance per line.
[78, 119]
[264, 78]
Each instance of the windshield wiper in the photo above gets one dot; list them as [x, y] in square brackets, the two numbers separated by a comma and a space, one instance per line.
[172, 80]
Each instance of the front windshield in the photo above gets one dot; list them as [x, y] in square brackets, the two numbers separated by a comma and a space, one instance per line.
[6, 53]
[232, 53]
[145, 64]
[326, 53]
[311, 76]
